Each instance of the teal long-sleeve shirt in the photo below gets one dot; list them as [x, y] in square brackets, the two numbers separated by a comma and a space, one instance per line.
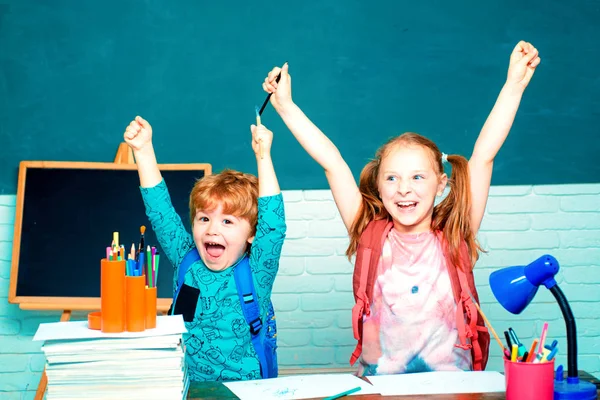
[218, 343]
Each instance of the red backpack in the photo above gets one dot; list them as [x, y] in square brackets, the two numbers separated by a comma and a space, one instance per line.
[365, 271]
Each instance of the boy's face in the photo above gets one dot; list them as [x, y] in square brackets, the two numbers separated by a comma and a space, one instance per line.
[221, 238]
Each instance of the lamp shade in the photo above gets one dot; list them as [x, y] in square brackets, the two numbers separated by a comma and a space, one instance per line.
[515, 287]
[512, 289]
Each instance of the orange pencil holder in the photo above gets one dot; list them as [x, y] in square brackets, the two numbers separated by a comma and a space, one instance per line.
[150, 305]
[135, 300]
[112, 295]
[529, 381]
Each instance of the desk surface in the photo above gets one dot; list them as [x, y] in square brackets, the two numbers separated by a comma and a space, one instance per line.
[218, 391]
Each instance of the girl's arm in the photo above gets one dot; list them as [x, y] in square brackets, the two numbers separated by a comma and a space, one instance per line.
[523, 61]
[341, 181]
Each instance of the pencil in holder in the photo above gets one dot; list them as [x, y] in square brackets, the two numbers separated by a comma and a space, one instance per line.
[135, 299]
[112, 295]
[150, 307]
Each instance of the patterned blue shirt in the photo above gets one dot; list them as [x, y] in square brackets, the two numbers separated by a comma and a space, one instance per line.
[218, 343]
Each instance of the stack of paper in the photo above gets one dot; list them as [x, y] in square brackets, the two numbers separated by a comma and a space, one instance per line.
[88, 364]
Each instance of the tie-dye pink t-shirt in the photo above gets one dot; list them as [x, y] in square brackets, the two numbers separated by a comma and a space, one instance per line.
[412, 323]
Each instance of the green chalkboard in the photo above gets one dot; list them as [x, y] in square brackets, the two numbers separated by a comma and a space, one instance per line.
[74, 73]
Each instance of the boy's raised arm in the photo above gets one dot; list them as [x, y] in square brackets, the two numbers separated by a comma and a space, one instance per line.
[262, 138]
[166, 223]
[138, 136]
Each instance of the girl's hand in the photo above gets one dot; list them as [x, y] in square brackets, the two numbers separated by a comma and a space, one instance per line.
[523, 62]
[282, 90]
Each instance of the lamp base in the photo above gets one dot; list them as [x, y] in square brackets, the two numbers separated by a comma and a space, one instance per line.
[574, 389]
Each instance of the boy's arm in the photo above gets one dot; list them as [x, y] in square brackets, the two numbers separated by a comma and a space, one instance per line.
[172, 236]
[270, 229]
[266, 247]
[261, 144]
[523, 61]
[138, 136]
[341, 181]
[147, 166]
[166, 223]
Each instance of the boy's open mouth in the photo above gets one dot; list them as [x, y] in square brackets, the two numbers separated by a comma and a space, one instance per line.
[214, 250]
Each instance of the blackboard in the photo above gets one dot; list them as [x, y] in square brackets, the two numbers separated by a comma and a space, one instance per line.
[66, 216]
[74, 73]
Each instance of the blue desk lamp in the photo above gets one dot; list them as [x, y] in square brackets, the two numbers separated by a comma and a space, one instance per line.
[515, 287]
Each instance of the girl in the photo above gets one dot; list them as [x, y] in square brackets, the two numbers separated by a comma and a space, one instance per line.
[409, 323]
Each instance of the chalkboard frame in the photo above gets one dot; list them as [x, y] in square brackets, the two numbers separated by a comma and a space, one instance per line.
[122, 162]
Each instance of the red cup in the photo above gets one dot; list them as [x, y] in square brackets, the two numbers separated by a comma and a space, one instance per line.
[529, 381]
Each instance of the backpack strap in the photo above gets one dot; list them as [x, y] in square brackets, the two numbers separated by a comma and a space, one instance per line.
[468, 332]
[476, 324]
[249, 301]
[472, 318]
[190, 258]
[365, 269]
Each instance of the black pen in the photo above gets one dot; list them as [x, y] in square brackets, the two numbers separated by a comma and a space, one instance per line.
[508, 341]
[269, 95]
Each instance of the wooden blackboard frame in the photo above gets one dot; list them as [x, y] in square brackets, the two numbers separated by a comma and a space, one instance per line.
[123, 161]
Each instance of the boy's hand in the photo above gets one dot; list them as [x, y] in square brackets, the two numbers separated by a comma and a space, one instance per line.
[282, 91]
[138, 134]
[261, 136]
[523, 61]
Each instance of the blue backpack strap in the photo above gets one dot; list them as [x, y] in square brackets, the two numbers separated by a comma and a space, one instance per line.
[191, 257]
[265, 344]
[251, 310]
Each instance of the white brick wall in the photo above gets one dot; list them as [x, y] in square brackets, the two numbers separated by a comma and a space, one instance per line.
[313, 296]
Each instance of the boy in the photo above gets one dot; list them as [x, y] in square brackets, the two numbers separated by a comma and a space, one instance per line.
[235, 218]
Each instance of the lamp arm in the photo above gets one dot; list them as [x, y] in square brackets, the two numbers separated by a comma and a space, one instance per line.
[571, 330]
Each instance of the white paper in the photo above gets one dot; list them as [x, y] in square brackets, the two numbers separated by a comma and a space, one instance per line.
[439, 382]
[299, 387]
[165, 325]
